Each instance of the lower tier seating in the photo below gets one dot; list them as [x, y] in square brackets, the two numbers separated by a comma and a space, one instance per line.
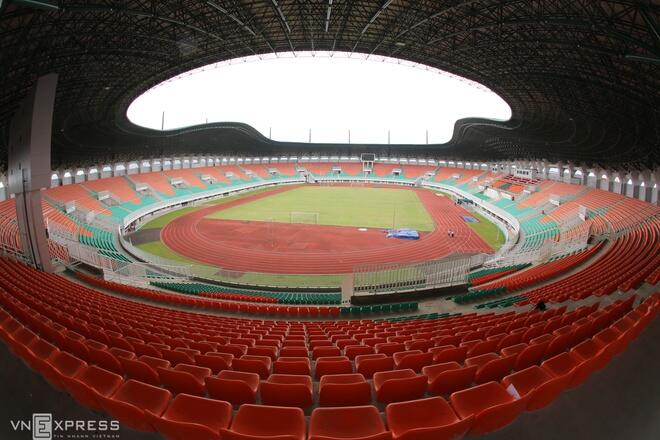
[543, 272]
[237, 303]
[628, 261]
[192, 375]
[279, 297]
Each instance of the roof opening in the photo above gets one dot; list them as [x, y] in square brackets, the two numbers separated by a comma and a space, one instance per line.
[321, 97]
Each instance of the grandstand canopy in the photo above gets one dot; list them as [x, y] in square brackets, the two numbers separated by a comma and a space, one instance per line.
[582, 77]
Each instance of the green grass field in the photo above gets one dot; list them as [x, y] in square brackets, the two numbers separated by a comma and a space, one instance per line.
[338, 206]
[488, 231]
[160, 222]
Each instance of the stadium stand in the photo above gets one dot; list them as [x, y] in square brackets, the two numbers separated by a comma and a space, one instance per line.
[79, 195]
[8, 226]
[189, 175]
[117, 186]
[90, 344]
[157, 181]
[280, 297]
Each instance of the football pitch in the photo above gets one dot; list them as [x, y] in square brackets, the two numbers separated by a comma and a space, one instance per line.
[337, 206]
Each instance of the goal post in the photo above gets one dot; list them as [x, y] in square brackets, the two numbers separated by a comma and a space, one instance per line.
[308, 218]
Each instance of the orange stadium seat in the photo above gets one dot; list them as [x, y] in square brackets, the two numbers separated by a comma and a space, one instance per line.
[236, 387]
[447, 377]
[287, 390]
[261, 422]
[184, 378]
[90, 383]
[133, 400]
[426, 419]
[490, 404]
[398, 385]
[189, 417]
[344, 390]
[353, 422]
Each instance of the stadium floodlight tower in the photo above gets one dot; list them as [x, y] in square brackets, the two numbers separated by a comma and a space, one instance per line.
[367, 160]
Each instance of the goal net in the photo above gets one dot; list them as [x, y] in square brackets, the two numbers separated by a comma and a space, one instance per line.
[310, 218]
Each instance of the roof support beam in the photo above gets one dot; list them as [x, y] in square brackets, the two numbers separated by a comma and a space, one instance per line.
[327, 15]
[281, 14]
[232, 16]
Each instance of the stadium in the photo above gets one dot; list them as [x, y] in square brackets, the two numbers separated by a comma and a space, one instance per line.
[284, 253]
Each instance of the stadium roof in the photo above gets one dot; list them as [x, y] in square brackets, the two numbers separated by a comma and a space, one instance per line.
[582, 77]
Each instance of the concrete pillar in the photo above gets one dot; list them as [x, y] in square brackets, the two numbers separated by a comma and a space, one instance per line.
[67, 177]
[603, 180]
[585, 174]
[568, 176]
[93, 173]
[28, 168]
[79, 176]
[593, 178]
[145, 166]
[631, 185]
[119, 169]
[106, 171]
[618, 182]
[55, 179]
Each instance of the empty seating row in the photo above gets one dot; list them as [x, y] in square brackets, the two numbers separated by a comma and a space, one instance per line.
[486, 275]
[625, 264]
[280, 297]
[494, 401]
[543, 272]
[235, 303]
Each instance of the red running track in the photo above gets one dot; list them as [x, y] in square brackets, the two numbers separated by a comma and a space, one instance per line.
[314, 249]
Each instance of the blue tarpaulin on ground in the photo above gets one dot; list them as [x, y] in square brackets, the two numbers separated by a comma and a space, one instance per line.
[403, 234]
[470, 219]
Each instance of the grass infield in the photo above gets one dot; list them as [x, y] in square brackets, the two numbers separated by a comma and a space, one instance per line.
[488, 231]
[338, 206]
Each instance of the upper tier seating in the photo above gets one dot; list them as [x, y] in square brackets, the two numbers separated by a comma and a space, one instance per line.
[445, 175]
[351, 169]
[189, 176]
[260, 171]
[546, 189]
[319, 169]
[157, 181]
[408, 171]
[285, 169]
[79, 195]
[118, 186]
[236, 171]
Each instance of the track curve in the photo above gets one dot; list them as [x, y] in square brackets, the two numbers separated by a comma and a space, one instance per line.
[299, 249]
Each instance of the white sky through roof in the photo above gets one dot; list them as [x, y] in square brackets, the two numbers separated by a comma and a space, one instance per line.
[285, 96]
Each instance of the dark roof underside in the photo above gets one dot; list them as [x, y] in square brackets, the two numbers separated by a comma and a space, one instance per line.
[581, 76]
